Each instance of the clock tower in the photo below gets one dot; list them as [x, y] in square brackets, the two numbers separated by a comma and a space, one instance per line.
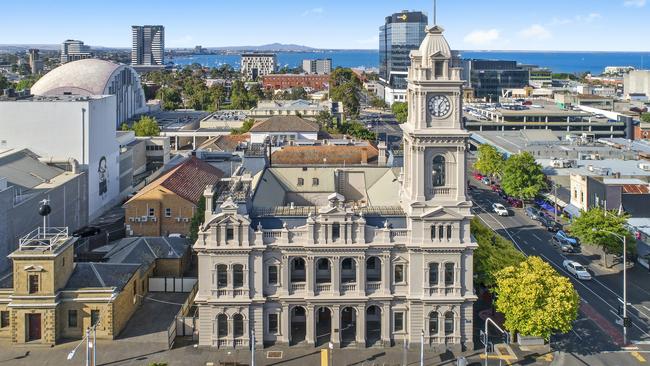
[433, 192]
[434, 138]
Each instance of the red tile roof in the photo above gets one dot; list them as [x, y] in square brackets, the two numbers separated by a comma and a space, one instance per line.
[285, 124]
[188, 180]
[636, 188]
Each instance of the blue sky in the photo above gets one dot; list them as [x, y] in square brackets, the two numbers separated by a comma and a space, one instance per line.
[572, 25]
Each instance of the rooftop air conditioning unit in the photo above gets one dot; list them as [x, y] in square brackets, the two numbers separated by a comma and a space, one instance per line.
[137, 219]
[153, 218]
[178, 219]
[185, 219]
[131, 219]
[644, 166]
[144, 218]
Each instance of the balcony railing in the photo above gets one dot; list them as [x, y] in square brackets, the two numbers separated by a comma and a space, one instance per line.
[227, 292]
[323, 287]
[442, 191]
[372, 287]
[442, 290]
[297, 286]
[348, 287]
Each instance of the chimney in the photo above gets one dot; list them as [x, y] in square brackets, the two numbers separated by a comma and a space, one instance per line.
[364, 156]
[381, 159]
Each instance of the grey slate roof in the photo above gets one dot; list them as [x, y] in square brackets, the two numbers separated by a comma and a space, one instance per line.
[90, 274]
[145, 250]
[22, 168]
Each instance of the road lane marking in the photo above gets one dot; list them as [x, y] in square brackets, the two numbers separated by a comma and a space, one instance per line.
[576, 333]
[537, 237]
[638, 356]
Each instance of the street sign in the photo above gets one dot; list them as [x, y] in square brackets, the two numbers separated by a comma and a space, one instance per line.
[482, 337]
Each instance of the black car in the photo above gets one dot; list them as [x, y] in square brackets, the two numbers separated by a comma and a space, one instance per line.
[550, 224]
[86, 231]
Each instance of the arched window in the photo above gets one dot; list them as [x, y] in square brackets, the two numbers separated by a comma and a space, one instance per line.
[449, 323]
[438, 171]
[433, 323]
[222, 275]
[238, 275]
[222, 325]
[449, 274]
[433, 274]
[238, 325]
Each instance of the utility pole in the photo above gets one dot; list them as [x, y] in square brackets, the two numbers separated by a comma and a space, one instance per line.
[95, 345]
[252, 347]
[422, 348]
[625, 290]
[87, 346]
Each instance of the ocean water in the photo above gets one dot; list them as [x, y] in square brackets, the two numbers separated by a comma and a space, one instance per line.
[569, 62]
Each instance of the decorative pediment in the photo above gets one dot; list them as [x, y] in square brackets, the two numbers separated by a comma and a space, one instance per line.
[272, 261]
[400, 260]
[440, 213]
[227, 218]
[34, 268]
[229, 204]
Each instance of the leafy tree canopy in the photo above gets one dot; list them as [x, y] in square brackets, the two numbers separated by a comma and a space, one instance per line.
[197, 220]
[595, 227]
[645, 117]
[490, 161]
[345, 87]
[535, 299]
[493, 254]
[400, 110]
[146, 126]
[246, 126]
[522, 176]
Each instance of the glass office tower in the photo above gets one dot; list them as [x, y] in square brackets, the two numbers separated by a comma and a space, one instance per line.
[401, 33]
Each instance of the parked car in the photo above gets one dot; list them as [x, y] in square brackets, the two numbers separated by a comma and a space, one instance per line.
[86, 231]
[514, 202]
[486, 180]
[500, 209]
[576, 269]
[533, 213]
[496, 188]
[566, 243]
[550, 224]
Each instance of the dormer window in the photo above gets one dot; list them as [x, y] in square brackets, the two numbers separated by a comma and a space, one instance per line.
[438, 68]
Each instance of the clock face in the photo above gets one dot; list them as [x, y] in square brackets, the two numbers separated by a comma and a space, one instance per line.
[439, 106]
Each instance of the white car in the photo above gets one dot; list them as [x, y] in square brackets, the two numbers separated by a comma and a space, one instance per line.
[577, 270]
[500, 209]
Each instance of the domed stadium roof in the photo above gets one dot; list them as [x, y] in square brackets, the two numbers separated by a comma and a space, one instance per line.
[434, 44]
[82, 77]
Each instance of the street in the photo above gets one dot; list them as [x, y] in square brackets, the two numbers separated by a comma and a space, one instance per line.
[597, 335]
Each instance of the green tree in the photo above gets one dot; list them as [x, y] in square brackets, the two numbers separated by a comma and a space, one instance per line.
[376, 102]
[324, 118]
[592, 227]
[493, 254]
[490, 161]
[4, 83]
[645, 117]
[197, 220]
[355, 129]
[535, 299]
[401, 111]
[170, 98]
[146, 126]
[125, 127]
[239, 98]
[246, 126]
[345, 87]
[27, 82]
[522, 176]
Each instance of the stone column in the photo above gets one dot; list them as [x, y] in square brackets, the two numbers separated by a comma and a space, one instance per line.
[310, 331]
[348, 232]
[336, 326]
[361, 275]
[385, 324]
[361, 325]
[309, 275]
[336, 276]
[385, 274]
[421, 178]
[285, 324]
[285, 277]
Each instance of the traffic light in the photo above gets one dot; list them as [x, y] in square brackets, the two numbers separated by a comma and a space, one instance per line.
[627, 322]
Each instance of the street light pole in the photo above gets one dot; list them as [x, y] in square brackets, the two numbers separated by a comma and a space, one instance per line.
[87, 347]
[624, 290]
[253, 347]
[422, 348]
[624, 239]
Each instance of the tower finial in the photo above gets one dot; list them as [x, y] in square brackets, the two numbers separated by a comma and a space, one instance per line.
[434, 12]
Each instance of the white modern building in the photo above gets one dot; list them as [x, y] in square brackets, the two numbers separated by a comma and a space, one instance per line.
[283, 129]
[73, 50]
[96, 77]
[356, 256]
[148, 45]
[63, 127]
[636, 82]
[256, 65]
[319, 66]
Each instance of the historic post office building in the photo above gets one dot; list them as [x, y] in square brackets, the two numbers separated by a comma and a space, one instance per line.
[353, 255]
